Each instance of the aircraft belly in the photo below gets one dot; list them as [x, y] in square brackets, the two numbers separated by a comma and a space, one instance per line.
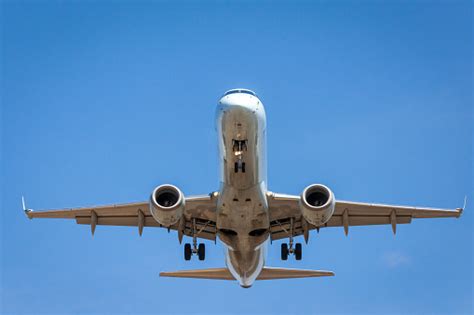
[246, 266]
[242, 209]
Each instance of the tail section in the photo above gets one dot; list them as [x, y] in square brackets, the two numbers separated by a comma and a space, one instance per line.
[213, 274]
[268, 273]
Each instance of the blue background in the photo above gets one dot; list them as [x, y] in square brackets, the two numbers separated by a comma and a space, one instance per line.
[103, 101]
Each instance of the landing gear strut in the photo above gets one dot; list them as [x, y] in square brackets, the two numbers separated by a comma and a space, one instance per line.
[287, 249]
[239, 146]
[196, 249]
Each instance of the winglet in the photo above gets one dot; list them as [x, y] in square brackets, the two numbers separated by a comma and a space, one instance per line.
[25, 209]
[460, 210]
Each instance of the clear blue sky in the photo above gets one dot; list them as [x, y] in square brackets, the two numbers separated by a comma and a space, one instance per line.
[103, 101]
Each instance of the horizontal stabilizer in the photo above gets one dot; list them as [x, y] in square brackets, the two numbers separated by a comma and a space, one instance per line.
[212, 273]
[268, 273]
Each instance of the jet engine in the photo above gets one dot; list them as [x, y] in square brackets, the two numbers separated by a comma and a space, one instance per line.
[317, 204]
[167, 204]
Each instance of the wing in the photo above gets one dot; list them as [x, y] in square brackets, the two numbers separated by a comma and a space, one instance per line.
[200, 210]
[284, 208]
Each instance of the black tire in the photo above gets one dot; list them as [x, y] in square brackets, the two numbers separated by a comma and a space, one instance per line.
[243, 167]
[187, 251]
[284, 251]
[202, 251]
[298, 251]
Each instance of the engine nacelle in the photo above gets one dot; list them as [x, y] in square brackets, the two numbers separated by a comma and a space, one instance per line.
[317, 204]
[167, 204]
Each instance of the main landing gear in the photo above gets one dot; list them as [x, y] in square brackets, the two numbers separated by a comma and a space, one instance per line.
[196, 249]
[287, 249]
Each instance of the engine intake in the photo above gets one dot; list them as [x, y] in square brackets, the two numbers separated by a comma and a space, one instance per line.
[167, 204]
[317, 204]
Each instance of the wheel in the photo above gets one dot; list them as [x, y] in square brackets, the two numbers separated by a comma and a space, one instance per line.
[298, 251]
[187, 251]
[202, 251]
[236, 167]
[243, 167]
[284, 251]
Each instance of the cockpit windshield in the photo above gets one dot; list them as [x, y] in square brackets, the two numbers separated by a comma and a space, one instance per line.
[240, 91]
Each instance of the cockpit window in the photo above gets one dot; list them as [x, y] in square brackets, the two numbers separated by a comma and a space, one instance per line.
[240, 91]
[248, 92]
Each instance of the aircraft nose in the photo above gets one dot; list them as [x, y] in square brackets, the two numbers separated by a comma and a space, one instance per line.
[239, 102]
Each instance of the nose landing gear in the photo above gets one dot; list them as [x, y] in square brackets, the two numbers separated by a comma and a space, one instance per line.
[239, 147]
[239, 165]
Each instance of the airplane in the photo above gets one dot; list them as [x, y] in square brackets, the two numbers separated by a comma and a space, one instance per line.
[243, 214]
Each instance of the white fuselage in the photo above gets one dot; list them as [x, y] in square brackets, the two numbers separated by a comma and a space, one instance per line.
[242, 212]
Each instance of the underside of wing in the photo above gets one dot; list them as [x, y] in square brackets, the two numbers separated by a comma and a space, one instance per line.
[284, 209]
[199, 214]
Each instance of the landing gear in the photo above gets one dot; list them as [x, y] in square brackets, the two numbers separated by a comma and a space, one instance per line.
[202, 251]
[195, 249]
[199, 250]
[239, 165]
[298, 251]
[284, 251]
[239, 147]
[187, 251]
[287, 249]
